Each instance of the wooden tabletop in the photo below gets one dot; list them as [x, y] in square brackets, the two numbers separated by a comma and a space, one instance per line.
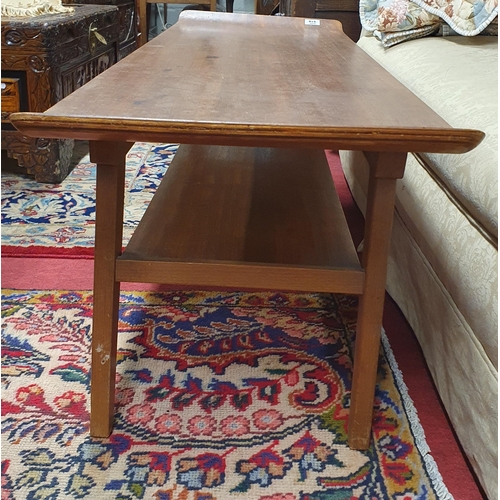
[244, 79]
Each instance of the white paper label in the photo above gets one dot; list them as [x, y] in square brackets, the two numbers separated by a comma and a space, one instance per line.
[311, 22]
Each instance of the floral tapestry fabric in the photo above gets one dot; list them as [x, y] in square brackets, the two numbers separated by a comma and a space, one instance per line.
[466, 17]
[419, 18]
[396, 15]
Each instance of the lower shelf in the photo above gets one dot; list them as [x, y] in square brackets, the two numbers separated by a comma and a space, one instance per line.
[245, 217]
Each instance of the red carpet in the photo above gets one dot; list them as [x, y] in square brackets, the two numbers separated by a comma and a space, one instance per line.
[63, 273]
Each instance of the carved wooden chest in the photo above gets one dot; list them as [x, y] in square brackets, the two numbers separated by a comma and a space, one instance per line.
[127, 21]
[44, 59]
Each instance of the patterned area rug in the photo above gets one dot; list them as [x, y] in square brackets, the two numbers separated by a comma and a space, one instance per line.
[58, 219]
[219, 395]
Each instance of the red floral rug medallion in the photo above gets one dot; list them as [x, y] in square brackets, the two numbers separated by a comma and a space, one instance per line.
[219, 395]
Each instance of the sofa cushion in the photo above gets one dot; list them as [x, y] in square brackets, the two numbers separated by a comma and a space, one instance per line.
[457, 77]
[462, 260]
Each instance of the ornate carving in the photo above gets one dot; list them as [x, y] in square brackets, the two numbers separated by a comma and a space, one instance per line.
[58, 30]
[76, 77]
[75, 50]
[42, 143]
[37, 64]
[39, 83]
[19, 37]
[55, 58]
[14, 37]
[48, 160]
[84, 44]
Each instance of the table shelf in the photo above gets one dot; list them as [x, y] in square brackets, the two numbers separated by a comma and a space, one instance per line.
[245, 217]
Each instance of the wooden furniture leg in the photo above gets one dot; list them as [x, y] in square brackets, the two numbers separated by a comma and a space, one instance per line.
[141, 22]
[110, 159]
[378, 226]
[144, 26]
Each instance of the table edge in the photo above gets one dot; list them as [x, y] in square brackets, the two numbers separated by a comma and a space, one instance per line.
[425, 140]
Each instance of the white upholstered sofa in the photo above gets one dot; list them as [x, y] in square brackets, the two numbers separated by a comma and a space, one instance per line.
[443, 259]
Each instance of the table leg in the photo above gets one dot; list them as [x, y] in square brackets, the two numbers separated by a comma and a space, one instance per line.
[385, 169]
[110, 159]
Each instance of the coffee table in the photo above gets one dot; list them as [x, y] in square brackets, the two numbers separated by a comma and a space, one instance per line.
[248, 201]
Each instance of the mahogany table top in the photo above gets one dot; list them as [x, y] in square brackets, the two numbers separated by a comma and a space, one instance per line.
[244, 79]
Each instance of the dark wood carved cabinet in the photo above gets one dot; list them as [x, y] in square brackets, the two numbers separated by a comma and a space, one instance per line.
[127, 22]
[44, 59]
[345, 11]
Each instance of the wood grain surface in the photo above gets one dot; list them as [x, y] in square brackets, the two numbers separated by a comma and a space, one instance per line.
[245, 217]
[243, 79]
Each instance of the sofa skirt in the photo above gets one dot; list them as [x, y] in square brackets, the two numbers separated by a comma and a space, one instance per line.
[448, 299]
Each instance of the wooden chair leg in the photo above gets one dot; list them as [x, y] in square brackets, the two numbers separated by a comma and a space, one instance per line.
[110, 159]
[378, 226]
[229, 5]
[141, 22]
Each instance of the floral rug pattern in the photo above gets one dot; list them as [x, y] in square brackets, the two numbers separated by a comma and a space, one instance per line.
[60, 218]
[219, 395]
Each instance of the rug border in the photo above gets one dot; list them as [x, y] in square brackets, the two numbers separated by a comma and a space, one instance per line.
[416, 428]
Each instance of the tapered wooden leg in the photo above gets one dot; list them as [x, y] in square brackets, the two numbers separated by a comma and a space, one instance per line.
[385, 169]
[110, 159]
